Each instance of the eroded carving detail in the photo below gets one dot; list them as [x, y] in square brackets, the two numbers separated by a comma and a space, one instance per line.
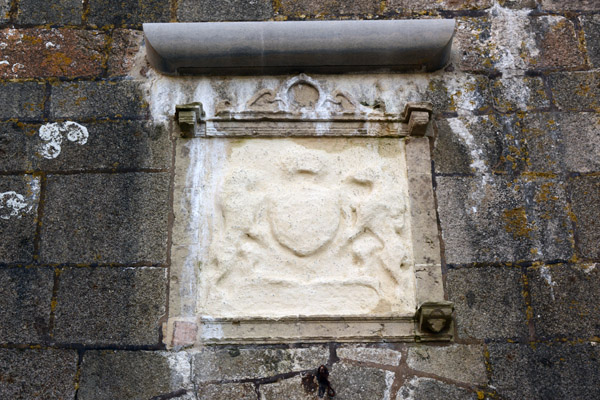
[301, 217]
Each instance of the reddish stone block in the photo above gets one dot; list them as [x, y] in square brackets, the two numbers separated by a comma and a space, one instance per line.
[184, 333]
[42, 53]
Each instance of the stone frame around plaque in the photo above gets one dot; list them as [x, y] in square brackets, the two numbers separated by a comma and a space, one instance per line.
[301, 108]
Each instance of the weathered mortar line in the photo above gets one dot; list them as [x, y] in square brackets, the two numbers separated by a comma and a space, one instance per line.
[78, 373]
[40, 214]
[508, 264]
[13, 11]
[174, 6]
[139, 264]
[54, 302]
[85, 12]
[86, 171]
[171, 395]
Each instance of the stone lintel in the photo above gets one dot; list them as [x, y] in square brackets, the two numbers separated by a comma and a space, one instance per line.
[268, 47]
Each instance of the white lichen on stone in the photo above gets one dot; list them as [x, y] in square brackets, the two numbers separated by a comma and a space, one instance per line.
[15, 205]
[53, 134]
[545, 274]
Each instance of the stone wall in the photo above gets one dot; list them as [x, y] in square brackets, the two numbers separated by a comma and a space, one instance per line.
[86, 193]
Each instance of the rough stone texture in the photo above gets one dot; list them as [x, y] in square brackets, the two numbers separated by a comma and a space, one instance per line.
[557, 43]
[113, 145]
[378, 355]
[16, 146]
[37, 374]
[591, 29]
[32, 53]
[225, 10]
[302, 8]
[585, 202]
[518, 4]
[353, 382]
[560, 5]
[135, 375]
[412, 6]
[40, 12]
[4, 10]
[519, 93]
[110, 305]
[469, 93]
[22, 100]
[290, 389]
[241, 391]
[564, 300]
[545, 371]
[233, 363]
[473, 144]
[576, 91]
[124, 223]
[581, 138]
[84, 100]
[472, 50]
[26, 294]
[128, 12]
[426, 389]
[481, 295]
[19, 196]
[486, 217]
[124, 46]
[462, 363]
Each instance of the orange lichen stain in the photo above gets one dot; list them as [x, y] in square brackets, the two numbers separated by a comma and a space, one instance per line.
[79, 100]
[32, 39]
[480, 395]
[515, 222]
[57, 63]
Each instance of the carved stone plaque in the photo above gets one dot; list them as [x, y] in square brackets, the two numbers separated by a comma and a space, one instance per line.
[298, 237]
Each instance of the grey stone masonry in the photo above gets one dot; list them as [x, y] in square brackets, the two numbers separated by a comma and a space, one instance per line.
[226, 10]
[50, 12]
[22, 100]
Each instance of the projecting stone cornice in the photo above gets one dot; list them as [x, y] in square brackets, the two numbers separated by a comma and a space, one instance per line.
[250, 48]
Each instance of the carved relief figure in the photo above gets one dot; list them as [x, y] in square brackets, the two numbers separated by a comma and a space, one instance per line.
[307, 218]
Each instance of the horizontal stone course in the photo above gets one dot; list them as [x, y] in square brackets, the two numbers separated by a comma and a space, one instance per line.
[332, 8]
[134, 375]
[26, 294]
[22, 100]
[41, 12]
[38, 374]
[545, 371]
[128, 12]
[576, 91]
[110, 306]
[106, 218]
[45, 53]
[461, 363]
[225, 10]
[97, 100]
[488, 302]
[419, 5]
[417, 388]
[563, 298]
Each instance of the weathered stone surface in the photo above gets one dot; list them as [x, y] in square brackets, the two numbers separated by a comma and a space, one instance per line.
[291, 389]
[519, 93]
[4, 10]
[573, 5]
[576, 91]
[125, 223]
[128, 12]
[22, 100]
[109, 145]
[483, 219]
[469, 93]
[481, 295]
[16, 146]
[302, 8]
[124, 46]
[233, 363]
[26, 294]
[472, 48]
[585, 203]
[19, 197]
[135, 375]
[476, 144]
[557, 43]
[545, 371]
[518, 4]
[241, 391]
[462, 363]
[425, 389]
[110, 305]
[419, 5]
[357, 383]
[37, 374]
[581, 139]
[40, 12]
[564, 300]
[84, 100]
[377, 355]
[591, 29]
[226, 10]
[31, 53]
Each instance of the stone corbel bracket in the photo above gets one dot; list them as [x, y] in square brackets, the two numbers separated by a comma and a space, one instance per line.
[268, 47]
